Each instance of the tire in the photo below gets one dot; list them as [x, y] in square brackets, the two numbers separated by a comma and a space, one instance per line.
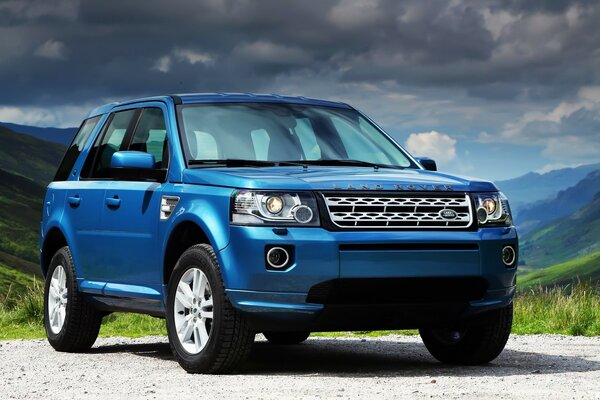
[206, 333]
[479, 343]
[286, 338]
[71, 324]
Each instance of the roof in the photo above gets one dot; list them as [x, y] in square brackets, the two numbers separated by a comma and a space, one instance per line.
[191, 98]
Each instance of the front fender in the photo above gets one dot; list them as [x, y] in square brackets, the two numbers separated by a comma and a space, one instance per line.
[205, 206]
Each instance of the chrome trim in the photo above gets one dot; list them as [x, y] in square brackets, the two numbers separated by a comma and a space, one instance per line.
[415, 200]
[280, 265]
[167, 206]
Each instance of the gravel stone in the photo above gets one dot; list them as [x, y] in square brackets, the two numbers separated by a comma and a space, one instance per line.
[390, 367]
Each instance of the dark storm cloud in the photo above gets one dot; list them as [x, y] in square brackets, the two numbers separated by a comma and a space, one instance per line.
[66, 52]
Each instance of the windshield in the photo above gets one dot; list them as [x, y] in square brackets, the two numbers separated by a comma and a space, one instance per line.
[268, 132]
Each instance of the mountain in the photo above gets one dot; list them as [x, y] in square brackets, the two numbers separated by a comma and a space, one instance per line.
[533, 186]
[29, 157]
[62, 136]
[565, 203]
[567, 238]
[586, 268]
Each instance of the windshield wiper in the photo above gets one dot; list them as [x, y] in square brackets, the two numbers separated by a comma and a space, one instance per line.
[239, 162]
[352, 163]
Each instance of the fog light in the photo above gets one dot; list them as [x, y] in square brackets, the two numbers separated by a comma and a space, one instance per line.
[508, 256]
[277, 257]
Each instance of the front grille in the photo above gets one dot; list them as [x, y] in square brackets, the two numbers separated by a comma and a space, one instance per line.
[402, 210]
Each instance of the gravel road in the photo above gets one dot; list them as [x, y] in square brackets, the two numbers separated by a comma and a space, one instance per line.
[540, 366]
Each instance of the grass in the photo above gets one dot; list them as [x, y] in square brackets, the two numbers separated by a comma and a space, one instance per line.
[571, 310]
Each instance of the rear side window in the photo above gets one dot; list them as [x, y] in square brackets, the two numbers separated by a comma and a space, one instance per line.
[75, 149]
[151, 136]
[98, 162]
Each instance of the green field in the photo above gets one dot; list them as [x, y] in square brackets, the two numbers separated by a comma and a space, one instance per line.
[586, 268]
[565, 239]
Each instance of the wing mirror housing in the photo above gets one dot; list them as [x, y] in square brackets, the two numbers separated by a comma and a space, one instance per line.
[136, 166]
[427, 163]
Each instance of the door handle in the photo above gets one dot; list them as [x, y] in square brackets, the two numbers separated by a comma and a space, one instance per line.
[113, 202]
[74, 201]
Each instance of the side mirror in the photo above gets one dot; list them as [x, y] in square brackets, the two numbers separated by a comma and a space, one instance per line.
[135, 166]
[132, 160]
[427, 163]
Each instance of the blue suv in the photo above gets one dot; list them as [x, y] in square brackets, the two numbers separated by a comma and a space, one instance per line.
[235, 214]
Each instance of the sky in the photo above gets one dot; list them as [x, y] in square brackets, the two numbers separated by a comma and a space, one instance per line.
[487, 88]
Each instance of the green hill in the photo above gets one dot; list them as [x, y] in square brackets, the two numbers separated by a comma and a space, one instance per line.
[13, 282]
[586, 268]
[565, 203]
[567, 238]
[20, 214]
[29, 157]
[27, 164]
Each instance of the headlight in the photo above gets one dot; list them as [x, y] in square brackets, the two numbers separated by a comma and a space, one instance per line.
[274, 208]
[492, 209]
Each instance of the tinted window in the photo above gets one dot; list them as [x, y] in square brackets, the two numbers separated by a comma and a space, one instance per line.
[107, 144]
[151, 136]
[284, 132]
[74, 150]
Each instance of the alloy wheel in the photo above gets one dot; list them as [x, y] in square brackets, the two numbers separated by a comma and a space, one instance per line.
[193, 310]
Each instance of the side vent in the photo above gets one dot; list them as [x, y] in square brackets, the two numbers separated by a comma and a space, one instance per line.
[167, 206]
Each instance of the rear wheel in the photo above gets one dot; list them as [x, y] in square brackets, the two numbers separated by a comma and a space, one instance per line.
[286, 337]
[479, 343]
[206, 334]
[72, 325]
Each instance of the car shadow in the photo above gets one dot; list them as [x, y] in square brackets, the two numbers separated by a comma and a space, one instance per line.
[372, 357]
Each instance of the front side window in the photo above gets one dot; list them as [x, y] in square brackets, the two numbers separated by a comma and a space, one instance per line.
[150, 136]
[284, 132]
[98, 162]
[75, 149]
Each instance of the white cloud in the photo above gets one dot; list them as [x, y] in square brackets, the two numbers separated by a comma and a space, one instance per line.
[572, 147]
[60, 117]
[52, 49]
[497, 20]
[189, 56]
[353, 14]
[569, 131]
[193, 57]
[163, 64]
[552, 167]
[265, 51]
[436, 145]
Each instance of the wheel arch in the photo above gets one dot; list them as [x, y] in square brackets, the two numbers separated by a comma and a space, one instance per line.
[53, 241]
[184, 235]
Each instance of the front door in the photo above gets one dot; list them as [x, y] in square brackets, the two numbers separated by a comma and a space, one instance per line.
[130, 218]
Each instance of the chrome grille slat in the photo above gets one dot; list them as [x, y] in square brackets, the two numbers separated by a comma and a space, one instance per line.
[398, 211]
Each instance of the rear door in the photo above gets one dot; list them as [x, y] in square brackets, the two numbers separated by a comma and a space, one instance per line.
[86, 199]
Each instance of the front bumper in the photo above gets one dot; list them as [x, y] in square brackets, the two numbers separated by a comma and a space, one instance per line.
[280, 299]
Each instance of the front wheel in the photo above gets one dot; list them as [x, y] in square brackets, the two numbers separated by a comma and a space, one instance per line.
[72, 325]
[479, 343]
[286, 338]
[206, 333]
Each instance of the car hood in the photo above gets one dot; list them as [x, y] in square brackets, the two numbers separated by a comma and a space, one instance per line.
[333, 178]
